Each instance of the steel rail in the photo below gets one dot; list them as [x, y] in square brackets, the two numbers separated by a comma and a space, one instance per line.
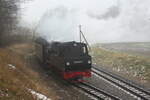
[96, 92]
[133, 89]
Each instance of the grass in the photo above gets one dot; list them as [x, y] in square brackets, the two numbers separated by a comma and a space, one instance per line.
[133, 48]
[134, 65]
[15, 82]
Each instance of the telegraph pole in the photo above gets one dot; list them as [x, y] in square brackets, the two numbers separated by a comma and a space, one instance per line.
[82, 35]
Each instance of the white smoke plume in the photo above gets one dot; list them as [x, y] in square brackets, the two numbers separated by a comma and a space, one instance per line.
[113, 12]
[101, 20]
[59, 24]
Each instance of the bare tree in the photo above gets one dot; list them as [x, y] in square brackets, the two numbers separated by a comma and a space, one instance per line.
[8, 18]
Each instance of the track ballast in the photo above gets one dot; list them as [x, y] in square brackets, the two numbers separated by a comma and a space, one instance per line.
[95, 92]
[136, 91]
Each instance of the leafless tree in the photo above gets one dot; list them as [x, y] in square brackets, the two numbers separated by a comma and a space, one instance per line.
[8, 18]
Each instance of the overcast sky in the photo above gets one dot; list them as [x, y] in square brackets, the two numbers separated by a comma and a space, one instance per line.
[101, 20]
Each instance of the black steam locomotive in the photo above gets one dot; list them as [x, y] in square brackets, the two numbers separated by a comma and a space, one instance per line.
[70, 59]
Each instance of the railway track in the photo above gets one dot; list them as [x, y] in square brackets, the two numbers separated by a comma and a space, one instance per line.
[136, 91]
[95, 92]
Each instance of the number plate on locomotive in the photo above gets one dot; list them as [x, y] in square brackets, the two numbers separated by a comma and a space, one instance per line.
[77, 62]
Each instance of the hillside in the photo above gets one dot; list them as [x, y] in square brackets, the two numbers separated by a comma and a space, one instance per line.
[23, 77]
[133, 48]
[120, 59]
[17, 79]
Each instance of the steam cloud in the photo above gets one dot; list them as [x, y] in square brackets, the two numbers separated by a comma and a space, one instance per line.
[102, 21]
[113, 12]
[58, 24]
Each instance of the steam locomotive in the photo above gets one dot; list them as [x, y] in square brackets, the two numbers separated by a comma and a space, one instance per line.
[70, 59]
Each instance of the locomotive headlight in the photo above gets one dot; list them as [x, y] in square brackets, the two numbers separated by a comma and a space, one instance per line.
[89, 61]
[67, 63]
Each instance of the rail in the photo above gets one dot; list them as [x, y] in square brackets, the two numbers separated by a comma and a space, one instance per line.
[95, 92]
[128, 86]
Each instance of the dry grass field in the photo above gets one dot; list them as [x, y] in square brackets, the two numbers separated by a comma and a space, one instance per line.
[17, 76]
[133, 48]
[130, 65]
[13, 81]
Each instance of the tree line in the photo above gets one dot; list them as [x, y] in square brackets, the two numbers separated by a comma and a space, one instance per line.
[8, 19]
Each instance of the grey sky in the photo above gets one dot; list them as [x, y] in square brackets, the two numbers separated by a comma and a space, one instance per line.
[102, 20]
